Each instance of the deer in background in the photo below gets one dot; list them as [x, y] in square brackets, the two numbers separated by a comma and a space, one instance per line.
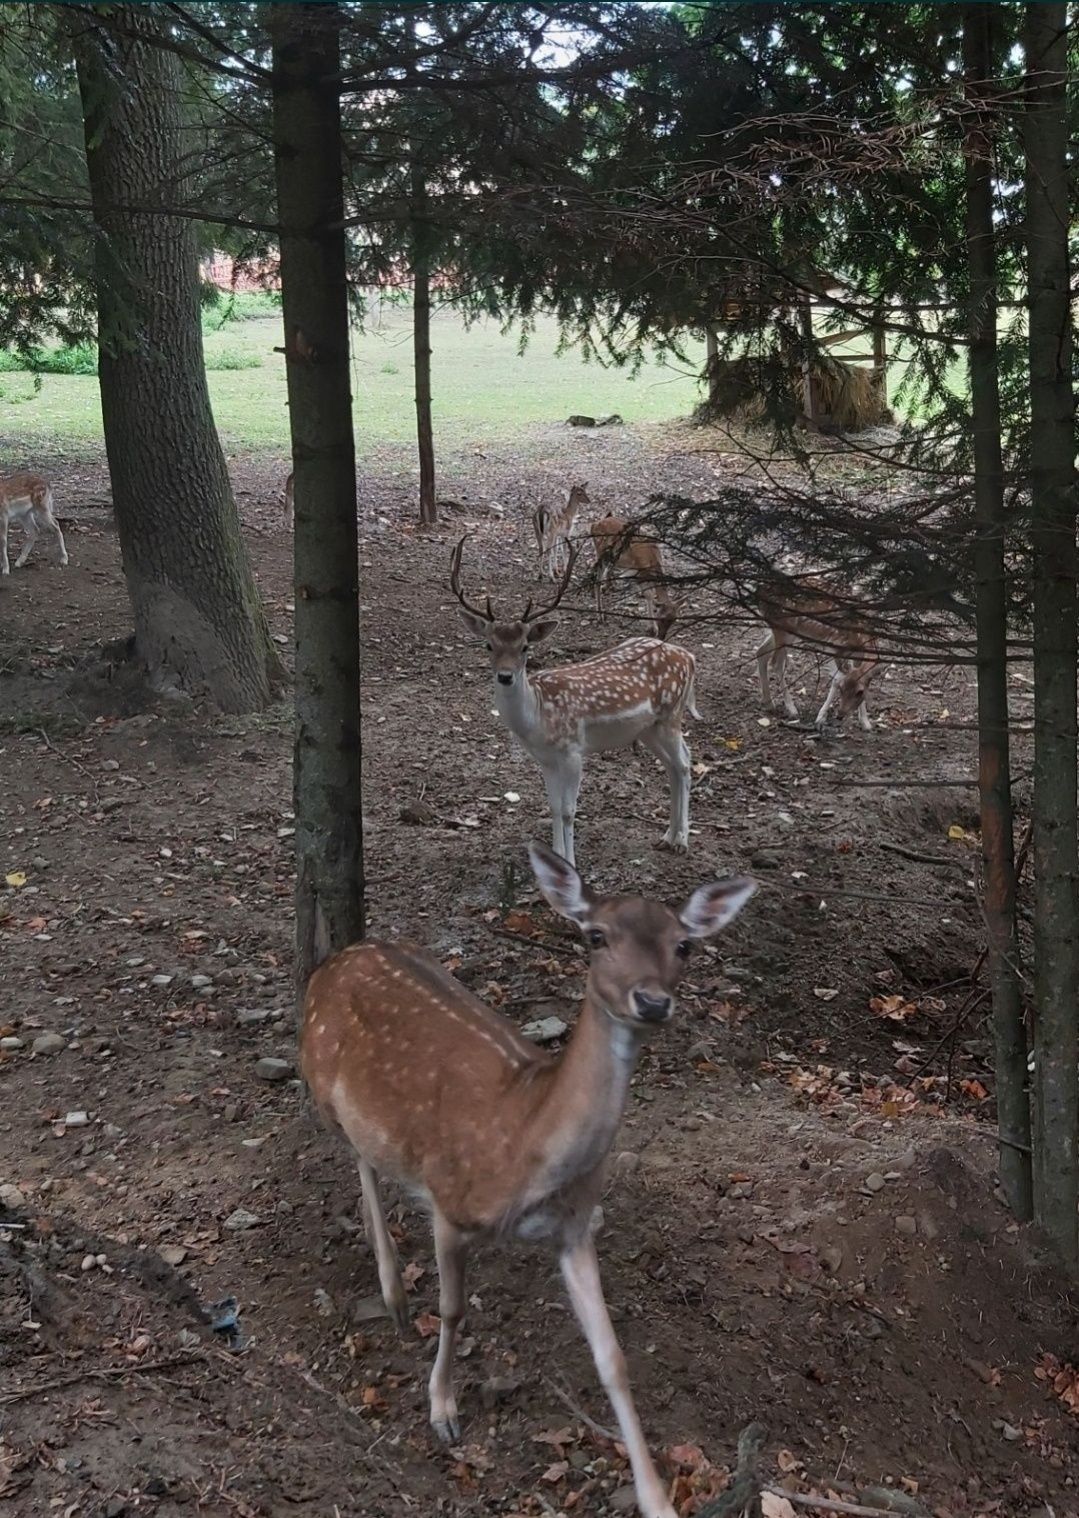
[638, 692]
[290, 514]
[622, 551]
[808, 614]
[497, 1137]
[27, 499]
[553, 531]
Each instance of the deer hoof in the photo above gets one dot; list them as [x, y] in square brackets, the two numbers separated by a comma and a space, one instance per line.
[679, 844]
[446, 1429]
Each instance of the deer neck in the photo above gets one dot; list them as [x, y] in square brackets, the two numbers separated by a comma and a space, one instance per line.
[577, 1121]
[519, 706]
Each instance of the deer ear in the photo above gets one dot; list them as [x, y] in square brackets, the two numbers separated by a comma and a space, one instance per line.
[537, 631]
[476, 625]
[714, 905]
[561, 885]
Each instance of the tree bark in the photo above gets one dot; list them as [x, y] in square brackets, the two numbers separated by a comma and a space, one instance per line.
[1053, 507]
[994, 758]
[314, 292]
[197, 614]
[421, 340]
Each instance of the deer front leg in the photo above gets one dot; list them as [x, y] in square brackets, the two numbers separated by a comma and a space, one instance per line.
[764, 659]
[451, 1252]
[790, 710]
[670, 749]
[580, 1271]
[5, 567]
[830, 698]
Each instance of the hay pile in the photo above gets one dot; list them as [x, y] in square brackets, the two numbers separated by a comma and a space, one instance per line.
[848, 396]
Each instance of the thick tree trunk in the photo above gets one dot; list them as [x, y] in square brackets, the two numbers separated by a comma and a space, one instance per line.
[197, 614]
[421, 337]
[994, 760]
[307, 152]
[1053, 506]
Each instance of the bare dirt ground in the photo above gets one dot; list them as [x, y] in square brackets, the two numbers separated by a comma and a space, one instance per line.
[801, 1227]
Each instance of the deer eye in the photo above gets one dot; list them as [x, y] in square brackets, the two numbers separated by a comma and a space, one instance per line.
[597, 939]
[683, 949]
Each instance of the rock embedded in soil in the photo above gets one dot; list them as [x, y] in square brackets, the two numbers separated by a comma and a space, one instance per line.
[270, 1069]
[173, 1254]
[906, 1225]
[875, 1181]
[240, 1221]
[544, 1030]
[48, 1043]
[12, 1044]
[11, 1197]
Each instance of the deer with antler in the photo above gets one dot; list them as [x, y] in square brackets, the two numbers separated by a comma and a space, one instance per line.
[638, 692]
[554, 529]
[808, 614]
[621, 551]
[497, 1137]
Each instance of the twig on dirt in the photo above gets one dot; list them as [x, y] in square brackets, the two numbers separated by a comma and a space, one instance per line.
[67, 758]
[898, 785]
[109, 1373]
[919, 858]
[743, 1494]
[829, 1504]
[579, 1412]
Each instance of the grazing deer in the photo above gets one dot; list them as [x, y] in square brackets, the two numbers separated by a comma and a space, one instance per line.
[27, 499]
[637, 692]
[553, 529]
[809, 615]
[620, 550]
[289, 511]
[497, 1137]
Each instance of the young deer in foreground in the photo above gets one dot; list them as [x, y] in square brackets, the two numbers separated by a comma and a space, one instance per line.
[811, 616]
[635, 693]
[27, 499]
[495, 1136]
[553, 530]
[621, 551]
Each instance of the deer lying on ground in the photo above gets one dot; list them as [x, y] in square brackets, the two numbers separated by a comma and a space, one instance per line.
[638, 692]
[810, 615]
[553, 530]
[495, 1136]
[290, 513]
[27, 499]
[623, 552]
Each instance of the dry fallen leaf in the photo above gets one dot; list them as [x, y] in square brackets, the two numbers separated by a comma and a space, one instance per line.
[774, 1506]
[825, 993]
[16, 878]
[554, 1473]
[427, 1324]
[896, 1008]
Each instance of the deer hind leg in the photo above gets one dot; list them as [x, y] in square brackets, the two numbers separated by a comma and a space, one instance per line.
[378, 1236]
[31, 538]
[671, 750]
[580, 1271]
[5, 567]
[451, 1252]
[48, 521]
[835, 675]
[782, 655]
[764, 659]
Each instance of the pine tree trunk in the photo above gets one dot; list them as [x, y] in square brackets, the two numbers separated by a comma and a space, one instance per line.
[994, 760]
[421, 337]
[308, 162]
[197, 614]
[1053, 506]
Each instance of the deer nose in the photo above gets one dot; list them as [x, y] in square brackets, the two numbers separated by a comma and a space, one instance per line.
[652, 1006]
[504, 679]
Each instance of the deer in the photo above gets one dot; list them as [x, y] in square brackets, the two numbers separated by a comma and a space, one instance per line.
[809, 614]
[638, 692]
[553, 529]
[28, 500]
[496, 1137]
[622, 551]
[289, 507]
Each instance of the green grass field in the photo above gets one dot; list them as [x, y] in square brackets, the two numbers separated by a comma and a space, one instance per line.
[483, 387]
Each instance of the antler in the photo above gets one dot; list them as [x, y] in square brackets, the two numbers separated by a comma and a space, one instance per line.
[541, 611]
[455, 583]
